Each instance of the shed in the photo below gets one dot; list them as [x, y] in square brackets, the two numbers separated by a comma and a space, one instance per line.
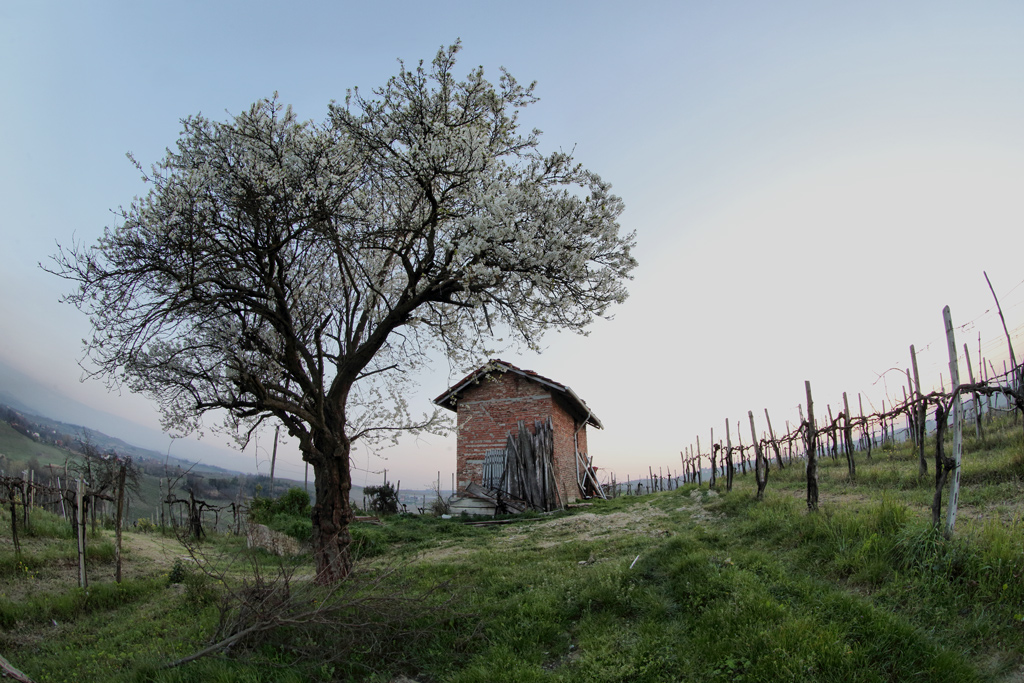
[522, 441]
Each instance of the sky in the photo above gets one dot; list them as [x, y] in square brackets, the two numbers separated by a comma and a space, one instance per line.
[810, 183]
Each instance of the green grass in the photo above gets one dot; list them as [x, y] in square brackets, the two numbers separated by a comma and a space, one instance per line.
[675, 586]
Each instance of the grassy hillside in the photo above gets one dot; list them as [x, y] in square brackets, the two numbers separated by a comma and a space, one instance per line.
[675, 586]
[18, 450]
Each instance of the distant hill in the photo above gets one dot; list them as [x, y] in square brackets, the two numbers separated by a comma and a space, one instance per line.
[65, 434]
[29, 441]
[28, 395]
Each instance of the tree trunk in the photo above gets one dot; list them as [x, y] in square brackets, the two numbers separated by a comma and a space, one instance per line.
[332, 512]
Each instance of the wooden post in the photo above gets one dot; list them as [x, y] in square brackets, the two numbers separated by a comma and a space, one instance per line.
[848, 438]
[739, 447]
[983, 377]
[910, 415]
[775, 444]
[812, 462]
[954, 375]
[977, 400]
[800, 407]
[988, 404]
[121, 475]
[699, 478]
[789, 445]
[922, 416]
[1017, 380]
[728, 457]
[714, 460]
[273, 461]
[63, 511]
[832, 432]
[80, 504]
[760, 462]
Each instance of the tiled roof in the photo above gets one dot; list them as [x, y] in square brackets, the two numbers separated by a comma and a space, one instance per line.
[449, 398]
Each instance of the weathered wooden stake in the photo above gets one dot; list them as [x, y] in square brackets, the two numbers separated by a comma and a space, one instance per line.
[80, 504]
[714, 460]
[922, 416]
[1018, 378]
[728, 457]
[118, 521]
[760, 462]
[848, 437]
[954, 375]
[812, 462]
[977, 400]
[775, 444]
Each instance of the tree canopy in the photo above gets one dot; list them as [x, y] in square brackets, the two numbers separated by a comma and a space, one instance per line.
[297, 271]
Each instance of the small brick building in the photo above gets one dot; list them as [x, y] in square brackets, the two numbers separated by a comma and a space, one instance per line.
[492, 401]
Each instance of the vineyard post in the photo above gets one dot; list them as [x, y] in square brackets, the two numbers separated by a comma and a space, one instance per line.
[812, 462]
[865, 439]
[63, 510]
[699, 477]
[80, 532]
[977, 400]
[760, 462]
[23, 490]
[1018, 374]
[800, 408]
[13, 502]
[714, 460]
[922, 416]
[832, 433]
[121, 475]
[848, 434]
[954, 375]
[775, 444]
[989, 405]
[910, 412]
[983, 375]
[728, 457]
[739, 447]
[789, 444]
[273, 461]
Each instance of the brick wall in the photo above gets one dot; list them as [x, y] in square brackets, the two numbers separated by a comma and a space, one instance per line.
[488, 411]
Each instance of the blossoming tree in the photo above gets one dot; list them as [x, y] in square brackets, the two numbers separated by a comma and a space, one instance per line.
[298, 271]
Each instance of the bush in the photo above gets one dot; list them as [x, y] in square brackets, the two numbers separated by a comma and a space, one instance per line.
[299, 528]
[294, 503]
[383, 499]
[289, 514]
[179, 572]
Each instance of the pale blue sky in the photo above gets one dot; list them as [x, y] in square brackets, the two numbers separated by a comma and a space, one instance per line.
[810, 182]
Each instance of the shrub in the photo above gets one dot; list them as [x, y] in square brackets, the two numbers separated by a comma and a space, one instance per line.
[295, 503]
[289, 514]
[383, 499]
[179, 572]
